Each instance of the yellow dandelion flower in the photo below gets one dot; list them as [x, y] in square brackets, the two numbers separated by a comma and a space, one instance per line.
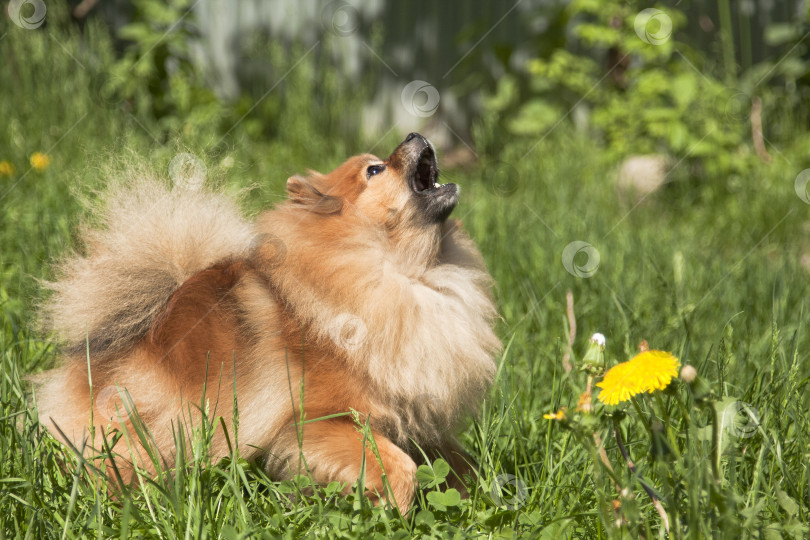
[40, 161]
[559, 415]
[646, 372]
[655, 369]
[6, 168]
[618, 384]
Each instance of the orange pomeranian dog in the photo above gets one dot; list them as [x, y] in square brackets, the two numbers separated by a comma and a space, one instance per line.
[356, 295]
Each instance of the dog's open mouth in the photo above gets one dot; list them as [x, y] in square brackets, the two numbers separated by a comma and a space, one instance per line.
[425, 179]
[416, 158]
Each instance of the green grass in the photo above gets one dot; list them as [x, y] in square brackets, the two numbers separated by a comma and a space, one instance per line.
[708, 269]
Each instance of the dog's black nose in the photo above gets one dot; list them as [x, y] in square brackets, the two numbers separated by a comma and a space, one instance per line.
[412, 136]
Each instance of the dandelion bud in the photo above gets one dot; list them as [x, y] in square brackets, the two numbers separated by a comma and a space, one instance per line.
[698, 386]
[594, 360]
[688, 373]
[585, 403]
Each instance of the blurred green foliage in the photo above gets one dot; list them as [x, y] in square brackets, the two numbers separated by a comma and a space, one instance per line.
[159, 78]
[630, 83]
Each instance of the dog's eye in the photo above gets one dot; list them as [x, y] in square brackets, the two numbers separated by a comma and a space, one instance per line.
[374, 169]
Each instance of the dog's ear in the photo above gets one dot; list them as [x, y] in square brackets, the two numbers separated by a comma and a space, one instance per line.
[302, 192]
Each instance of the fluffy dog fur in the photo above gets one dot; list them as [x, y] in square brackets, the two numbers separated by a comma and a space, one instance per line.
[357, 288]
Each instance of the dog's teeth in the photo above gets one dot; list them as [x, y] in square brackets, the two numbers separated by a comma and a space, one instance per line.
[436, 185]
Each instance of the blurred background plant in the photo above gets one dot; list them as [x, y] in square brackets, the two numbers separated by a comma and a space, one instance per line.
[640, 84]
[672, 142]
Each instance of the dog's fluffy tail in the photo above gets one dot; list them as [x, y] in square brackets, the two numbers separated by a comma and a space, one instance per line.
[148, 241]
